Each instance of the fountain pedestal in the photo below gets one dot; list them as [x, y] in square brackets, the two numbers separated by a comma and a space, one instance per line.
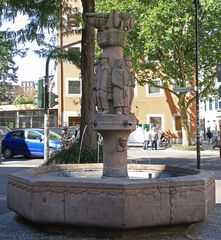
[115, 130]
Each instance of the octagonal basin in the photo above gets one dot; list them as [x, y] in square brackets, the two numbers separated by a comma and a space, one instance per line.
[77, 194]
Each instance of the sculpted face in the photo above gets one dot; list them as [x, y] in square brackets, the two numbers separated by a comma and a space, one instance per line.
[128, 62]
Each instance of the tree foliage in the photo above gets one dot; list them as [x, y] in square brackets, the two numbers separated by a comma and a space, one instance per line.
[162, 44]
[50, 15]
[163, 39]
[22, 100]
[43, 19]
[7, 67]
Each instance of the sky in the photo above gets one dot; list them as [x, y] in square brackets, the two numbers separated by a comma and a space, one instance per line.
[31, 67]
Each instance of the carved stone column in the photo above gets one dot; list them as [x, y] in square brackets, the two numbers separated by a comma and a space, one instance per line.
[111, 83]
[115, 130]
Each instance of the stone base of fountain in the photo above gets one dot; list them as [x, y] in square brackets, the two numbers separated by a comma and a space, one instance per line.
[58, 195]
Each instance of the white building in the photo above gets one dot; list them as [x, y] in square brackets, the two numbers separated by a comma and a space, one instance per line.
[210, 111]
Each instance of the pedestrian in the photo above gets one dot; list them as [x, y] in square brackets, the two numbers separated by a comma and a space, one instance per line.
[209, 135]
[163, 140]
[78, 135]
[146, 139]
[66, 138]
[154, 138]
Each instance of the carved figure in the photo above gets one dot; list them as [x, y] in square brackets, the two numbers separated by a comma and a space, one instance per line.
[114, 81]
[130, 80]
[102, 85]
[120, 97]
[121, 144]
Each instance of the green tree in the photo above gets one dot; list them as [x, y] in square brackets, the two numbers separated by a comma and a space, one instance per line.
[52, 15]
[7, 68]
[22, 100]
[162, 43]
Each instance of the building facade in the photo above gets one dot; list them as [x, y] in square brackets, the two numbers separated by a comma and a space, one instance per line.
[211, 112]
[69, 78]
[158, 108]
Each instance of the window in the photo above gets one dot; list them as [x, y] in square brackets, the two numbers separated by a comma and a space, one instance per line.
[177, 123]
[205, 106]
[216, 103]
[210, 104]
[155, 120]
[18, 134]
[33, 135]
[74, 87]
[219, 103]
[154, 91]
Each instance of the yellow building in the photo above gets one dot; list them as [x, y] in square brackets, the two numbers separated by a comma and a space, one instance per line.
[69, 79]
[158, 108]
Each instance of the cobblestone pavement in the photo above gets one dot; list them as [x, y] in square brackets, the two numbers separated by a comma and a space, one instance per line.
[13, 227]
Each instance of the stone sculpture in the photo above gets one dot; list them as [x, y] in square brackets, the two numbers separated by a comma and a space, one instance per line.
[112, 89]
[111, 37]
[120, 98]
[130, 81]
[102, 85]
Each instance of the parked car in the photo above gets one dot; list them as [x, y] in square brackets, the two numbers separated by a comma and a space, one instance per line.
[28, 142]
[3, 131]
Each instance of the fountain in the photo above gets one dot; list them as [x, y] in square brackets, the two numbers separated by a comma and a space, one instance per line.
[113, 194]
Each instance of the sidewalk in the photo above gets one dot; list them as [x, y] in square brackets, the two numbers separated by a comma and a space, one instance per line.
[15, 228]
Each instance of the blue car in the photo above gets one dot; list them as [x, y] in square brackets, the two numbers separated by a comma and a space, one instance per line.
[28, 142]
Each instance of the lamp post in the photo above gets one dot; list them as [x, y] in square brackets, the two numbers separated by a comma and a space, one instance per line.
[196, 3]
[46, 102]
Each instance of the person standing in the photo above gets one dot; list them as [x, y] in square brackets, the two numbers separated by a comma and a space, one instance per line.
[146, 139]
[209, 136]
[154, 138]
[66, 138]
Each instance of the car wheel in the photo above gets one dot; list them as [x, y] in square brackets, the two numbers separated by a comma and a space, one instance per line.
[7, 153]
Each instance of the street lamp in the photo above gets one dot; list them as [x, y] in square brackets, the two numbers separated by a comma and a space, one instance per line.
[46, 98]
[196, 3]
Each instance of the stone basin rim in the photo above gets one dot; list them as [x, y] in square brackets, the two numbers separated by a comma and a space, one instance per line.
[38, 176]
[99, 166]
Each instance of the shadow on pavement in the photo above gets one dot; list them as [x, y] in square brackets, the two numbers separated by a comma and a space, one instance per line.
[88, 233]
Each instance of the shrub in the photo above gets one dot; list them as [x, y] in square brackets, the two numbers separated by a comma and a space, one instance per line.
[71, 155]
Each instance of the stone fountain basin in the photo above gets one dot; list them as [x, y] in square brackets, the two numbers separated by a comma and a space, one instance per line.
[49, 195]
